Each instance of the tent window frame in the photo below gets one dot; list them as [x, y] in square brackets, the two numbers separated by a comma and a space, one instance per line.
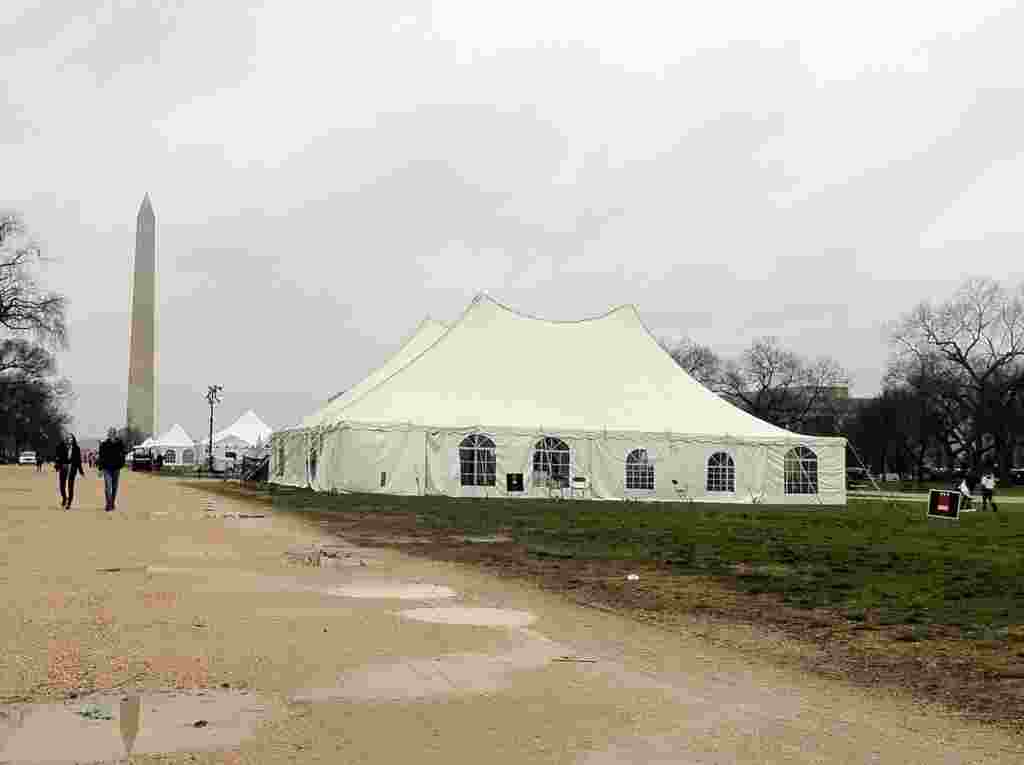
[551, 460]
[171, 457]
[800, 471]
[721, 473]
[477, 461]
[639, 471]
[188, 456]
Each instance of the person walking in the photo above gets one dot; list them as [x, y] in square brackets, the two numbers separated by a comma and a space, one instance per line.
[68, 464]
[965, 494]
[39, 462]
[110, 461]
[988, 490]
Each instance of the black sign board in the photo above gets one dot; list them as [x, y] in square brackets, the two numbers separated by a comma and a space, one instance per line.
[944, 504]
[514, 481]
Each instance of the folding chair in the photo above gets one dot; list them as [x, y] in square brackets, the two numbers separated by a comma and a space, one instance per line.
[682, 491]
[553, 486]
[581, 484]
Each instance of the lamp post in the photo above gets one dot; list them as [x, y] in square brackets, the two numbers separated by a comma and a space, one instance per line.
[212, 398]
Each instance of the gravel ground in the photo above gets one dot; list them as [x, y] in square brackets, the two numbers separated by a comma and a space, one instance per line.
[164, 597]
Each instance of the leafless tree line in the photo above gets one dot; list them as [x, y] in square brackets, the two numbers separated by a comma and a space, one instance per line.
[953, 388]
[33, 326]
[771, 382]
[960, 365]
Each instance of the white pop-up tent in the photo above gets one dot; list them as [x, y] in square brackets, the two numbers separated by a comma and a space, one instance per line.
[504, 404]
[176, 447]
[245, 434]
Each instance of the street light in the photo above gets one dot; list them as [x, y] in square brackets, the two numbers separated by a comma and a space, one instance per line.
[212, 398]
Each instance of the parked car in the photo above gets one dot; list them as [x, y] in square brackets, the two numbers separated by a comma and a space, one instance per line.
[27, 458]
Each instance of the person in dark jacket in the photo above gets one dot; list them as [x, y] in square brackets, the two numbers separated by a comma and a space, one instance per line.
[110, 461]
[68, 463]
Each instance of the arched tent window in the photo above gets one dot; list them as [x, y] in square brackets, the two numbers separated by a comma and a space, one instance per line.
[801, 468]
[721, 472]
[551, 460]
[188, 457]
[170, 457]
[639, 471]
[476, 461]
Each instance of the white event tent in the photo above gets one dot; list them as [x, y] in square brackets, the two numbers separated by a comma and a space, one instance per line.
[176, 447]
[504, 404]
[245, 434]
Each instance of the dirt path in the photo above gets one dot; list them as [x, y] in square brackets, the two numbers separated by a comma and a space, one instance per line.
[378, 657]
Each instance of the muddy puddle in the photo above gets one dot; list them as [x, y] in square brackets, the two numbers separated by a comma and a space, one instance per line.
[238, 580]
[413, 679]
[480, 617]
[59, 733]
[393, 590]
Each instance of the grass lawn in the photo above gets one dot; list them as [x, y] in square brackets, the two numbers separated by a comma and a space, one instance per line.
[924, 486]
[876, 557]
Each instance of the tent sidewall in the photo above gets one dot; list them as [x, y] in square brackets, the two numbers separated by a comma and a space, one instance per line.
[411, 460]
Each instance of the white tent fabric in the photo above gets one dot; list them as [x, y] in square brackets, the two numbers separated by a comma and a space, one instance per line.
[603, 387]
[175, 437]
[247, 431]
[176, 447]
[426, 334]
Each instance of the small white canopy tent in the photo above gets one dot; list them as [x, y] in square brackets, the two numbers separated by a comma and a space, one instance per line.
[247, 434]
[501, 404]
[176, 447]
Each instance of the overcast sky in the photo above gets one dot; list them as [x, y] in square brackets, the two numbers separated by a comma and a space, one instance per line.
[324, 175]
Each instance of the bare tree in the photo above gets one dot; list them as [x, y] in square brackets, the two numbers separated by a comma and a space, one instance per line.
[33, 413]
[22, 359]
[781, 387]
[25, 307]
[33, 400]
[699, 361]
[898, 429]
[973, 347]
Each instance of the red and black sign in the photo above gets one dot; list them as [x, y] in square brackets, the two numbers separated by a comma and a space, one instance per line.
[944, 504]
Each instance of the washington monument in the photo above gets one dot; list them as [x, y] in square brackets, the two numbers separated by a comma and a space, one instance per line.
[142, 356]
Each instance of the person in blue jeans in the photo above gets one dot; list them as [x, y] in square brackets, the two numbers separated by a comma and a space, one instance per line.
[110, 462]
